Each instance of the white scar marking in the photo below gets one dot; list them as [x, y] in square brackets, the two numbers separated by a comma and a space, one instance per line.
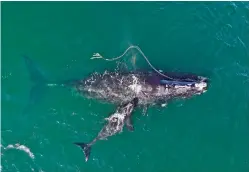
[117, 115]
[135, 87]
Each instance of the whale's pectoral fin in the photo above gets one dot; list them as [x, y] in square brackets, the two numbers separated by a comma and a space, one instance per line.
[107, 119]
[129, 124]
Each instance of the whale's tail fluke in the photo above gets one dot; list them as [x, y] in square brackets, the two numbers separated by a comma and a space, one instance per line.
[40, 83]
[34, 72]
[86, 149]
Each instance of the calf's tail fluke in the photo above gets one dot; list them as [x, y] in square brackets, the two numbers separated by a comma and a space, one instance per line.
[86, 149]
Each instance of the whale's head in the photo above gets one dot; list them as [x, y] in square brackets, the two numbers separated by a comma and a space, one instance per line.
[200, 85]
[181, 84]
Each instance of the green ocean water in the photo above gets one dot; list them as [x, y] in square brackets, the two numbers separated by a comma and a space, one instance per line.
[208, 133]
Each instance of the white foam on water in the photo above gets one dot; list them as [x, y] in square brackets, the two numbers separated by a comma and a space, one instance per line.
[20, 147]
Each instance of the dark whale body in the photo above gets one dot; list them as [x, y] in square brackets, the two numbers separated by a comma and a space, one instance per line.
[149, 87]
[120, 87]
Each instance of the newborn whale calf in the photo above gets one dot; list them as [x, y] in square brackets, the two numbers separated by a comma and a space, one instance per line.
[115, 124]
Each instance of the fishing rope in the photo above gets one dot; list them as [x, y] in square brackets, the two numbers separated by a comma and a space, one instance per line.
[98, 56]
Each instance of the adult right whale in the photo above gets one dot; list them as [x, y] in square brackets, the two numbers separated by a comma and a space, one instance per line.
[150, 88]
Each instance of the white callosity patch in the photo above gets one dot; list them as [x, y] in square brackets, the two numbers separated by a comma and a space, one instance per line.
[201, 86]
[20, 147]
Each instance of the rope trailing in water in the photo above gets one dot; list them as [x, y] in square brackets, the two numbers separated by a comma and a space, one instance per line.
[98, 56]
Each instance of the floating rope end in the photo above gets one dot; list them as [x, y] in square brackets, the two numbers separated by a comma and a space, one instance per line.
[96, 56]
